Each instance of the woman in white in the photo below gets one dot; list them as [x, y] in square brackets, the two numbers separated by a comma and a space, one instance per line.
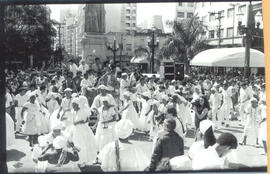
[129, 112]
[82, 135]
[53, 100]
[207, 138]
[10, 135]
[106, 123]
[252, 122]
[63, 114]
[146, 108]
[31, 119]
[122, 155]
[263, 124]
[20, 100]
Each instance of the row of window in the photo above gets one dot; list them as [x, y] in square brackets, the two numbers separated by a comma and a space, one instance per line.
[230, 13]
[213, 34]
[182, 15]
[130, 18]
[130, 25]
[181, 4]
[131, 11]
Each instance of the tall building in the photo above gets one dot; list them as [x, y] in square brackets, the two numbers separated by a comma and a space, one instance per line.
[230, 15]
[121, 17]
[157, 22]
[184, 10]
[68, 31]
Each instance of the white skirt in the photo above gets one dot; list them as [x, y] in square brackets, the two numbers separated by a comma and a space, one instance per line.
[84, 139]
[10, 135]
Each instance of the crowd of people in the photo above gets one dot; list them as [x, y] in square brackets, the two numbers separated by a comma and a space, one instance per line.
[86, 114]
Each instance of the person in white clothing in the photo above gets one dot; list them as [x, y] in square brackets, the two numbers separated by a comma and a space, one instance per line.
[214, 157]
[252, 122]
[83, 67]
[115, 156]
[20, 100]
[73, 68]
[124, 84]
[215, 104]
[244, 98]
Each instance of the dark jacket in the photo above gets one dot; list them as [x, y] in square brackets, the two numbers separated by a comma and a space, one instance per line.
[169, 145]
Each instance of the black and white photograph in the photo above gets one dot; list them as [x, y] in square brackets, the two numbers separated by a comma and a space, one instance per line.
[142, 87]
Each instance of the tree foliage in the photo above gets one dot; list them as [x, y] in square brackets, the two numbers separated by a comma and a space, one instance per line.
[28, 31]
[186, 40]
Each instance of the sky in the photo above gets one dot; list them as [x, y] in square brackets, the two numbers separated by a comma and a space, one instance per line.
[144, 11]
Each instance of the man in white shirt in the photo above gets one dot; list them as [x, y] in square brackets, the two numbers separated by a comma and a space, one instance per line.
[215, 103]
[83, 67]
[244, 98]
[73, 68]
[214, 157]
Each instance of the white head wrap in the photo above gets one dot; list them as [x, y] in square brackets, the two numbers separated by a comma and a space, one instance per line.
[147, 94]
[204, 125]
[123, 128]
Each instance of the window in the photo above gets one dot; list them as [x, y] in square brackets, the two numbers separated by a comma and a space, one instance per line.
[211, 34]
[128, 11]
[242, 9]
[127, 17]
[134, 18]
[230, 32]
[204, 18]
[134, 11]
[202, 4]
[134, 25]
[128, 24]
[189, 15]
[180, 4]
[180, 14]
[230, 13]
[212, 17]
[128, 47]
[190, 4]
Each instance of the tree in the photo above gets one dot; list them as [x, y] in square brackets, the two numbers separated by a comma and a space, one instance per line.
[186, 40]
[28, 31]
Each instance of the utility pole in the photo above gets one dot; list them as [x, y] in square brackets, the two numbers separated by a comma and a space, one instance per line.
[219, 17]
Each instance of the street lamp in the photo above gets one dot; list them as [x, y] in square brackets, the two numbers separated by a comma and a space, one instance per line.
[114, 48]
[152, 44]
[248, 30]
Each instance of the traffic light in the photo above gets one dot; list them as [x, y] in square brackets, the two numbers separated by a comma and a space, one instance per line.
[179, 71]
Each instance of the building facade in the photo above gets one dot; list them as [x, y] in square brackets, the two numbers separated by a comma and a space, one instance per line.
[157, 22]
[221, 20]
[121, 17]
[184, 10]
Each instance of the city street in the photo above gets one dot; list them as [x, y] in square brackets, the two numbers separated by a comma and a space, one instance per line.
[19, 155]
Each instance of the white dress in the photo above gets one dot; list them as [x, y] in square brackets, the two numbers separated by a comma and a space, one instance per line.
[83, 138]
[131, 158]
[146, 106]
[131, 114]
[105, 132]
[21, 101]
[263, 125]
[10, 135]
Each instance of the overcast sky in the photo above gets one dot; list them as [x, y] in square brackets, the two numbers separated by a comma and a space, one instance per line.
[144, 11]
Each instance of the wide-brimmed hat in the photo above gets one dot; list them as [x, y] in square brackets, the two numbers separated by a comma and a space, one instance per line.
[58, 126]
[102, 87]
[68, 90]
[123, 128]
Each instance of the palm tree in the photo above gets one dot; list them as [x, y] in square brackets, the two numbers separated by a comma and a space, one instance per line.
[186, 40]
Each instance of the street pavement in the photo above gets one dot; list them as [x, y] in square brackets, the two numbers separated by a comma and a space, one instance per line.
[19, 155]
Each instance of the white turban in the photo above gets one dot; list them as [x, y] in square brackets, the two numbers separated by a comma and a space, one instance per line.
[205, 124]
[31, 94]
[76, 100]
[42, 140]
[123, 128]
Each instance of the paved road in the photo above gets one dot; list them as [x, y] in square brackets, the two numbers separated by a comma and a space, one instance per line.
[19, 154]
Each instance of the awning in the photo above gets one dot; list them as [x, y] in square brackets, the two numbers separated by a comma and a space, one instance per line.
[139, 60]
[228, 57]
